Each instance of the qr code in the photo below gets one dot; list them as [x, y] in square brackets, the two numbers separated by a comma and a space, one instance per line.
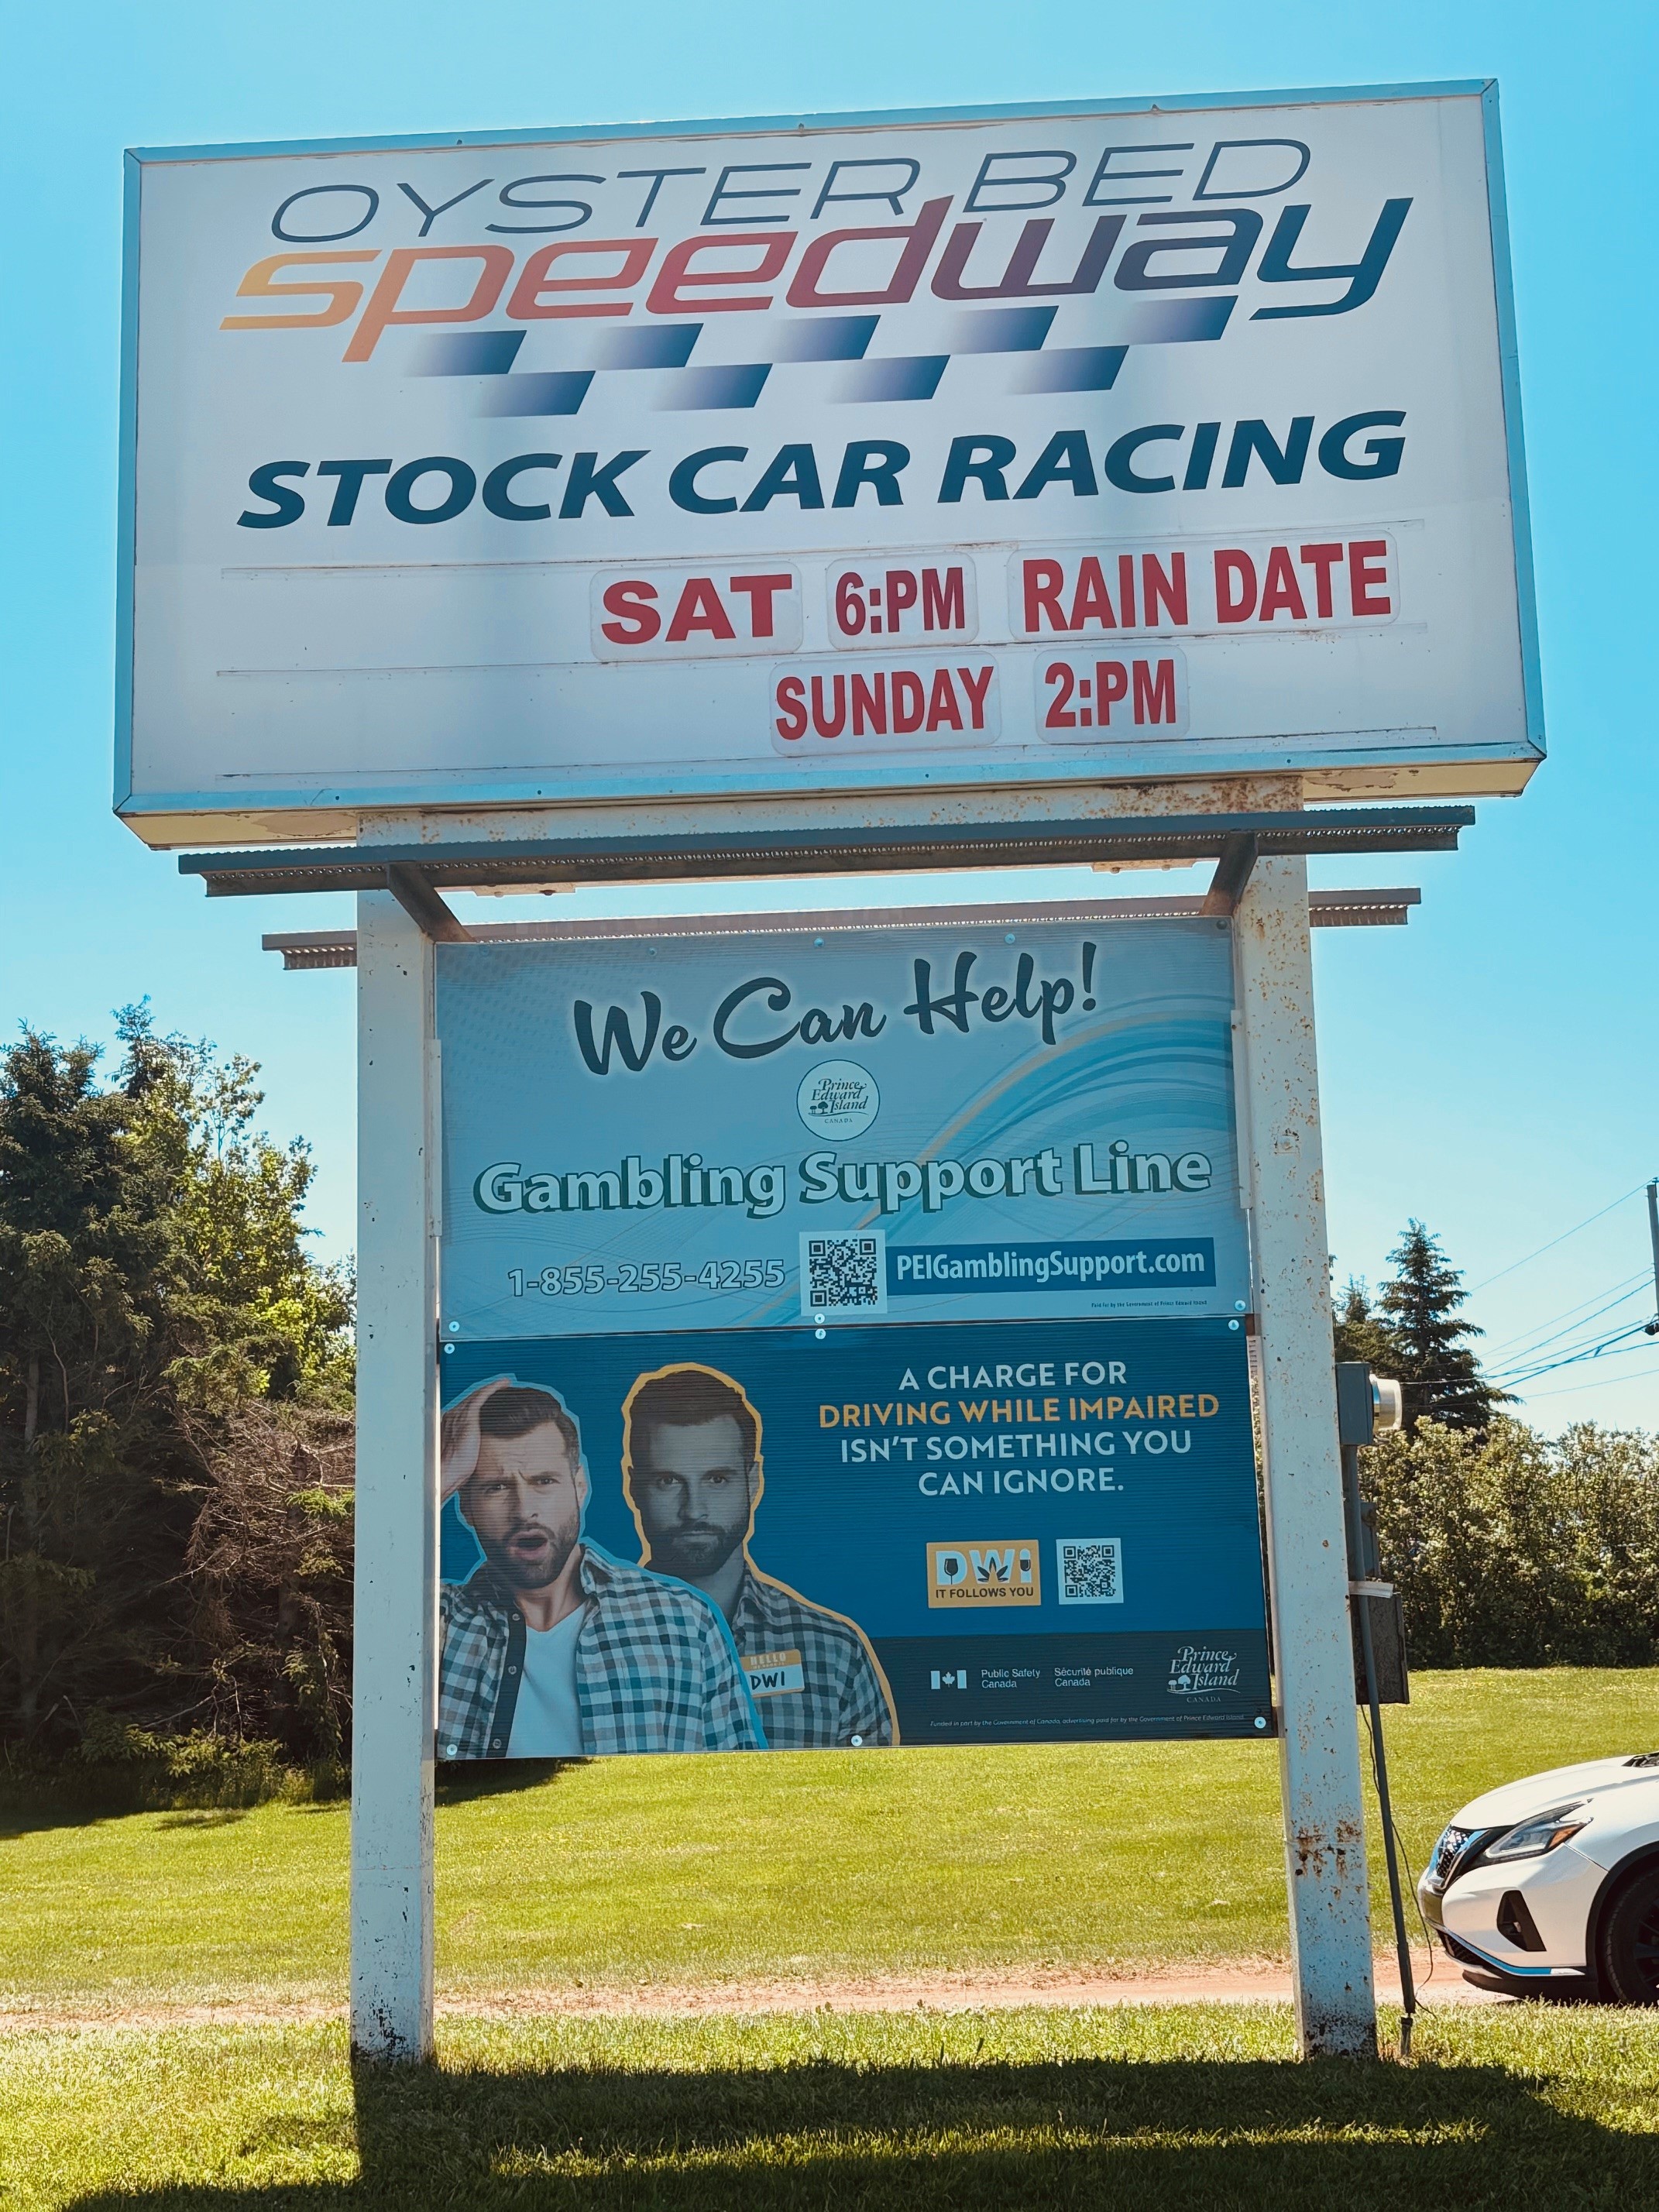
[841, 1275]
[1090, 1569]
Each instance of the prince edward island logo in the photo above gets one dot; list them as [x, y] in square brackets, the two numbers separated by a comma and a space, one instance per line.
[838, 1099]
[1197, 1671]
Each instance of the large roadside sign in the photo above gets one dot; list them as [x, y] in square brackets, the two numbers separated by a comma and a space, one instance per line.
[875, 1292]
[1007, 448]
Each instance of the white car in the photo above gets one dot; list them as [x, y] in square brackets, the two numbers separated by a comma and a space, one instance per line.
[1553, 1882]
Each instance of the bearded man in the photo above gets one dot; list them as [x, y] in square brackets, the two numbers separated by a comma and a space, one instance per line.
[693, 1474]
[550, 1648]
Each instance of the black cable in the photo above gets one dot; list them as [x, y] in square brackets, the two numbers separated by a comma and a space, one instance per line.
[1576, 1357]
[1380, 1777]
[1584, 1347]
[1554, 1241]
[1577, 1389]
[1429, 1948]
[1501, 1388]
[1354, 1516]
[1574, 1318]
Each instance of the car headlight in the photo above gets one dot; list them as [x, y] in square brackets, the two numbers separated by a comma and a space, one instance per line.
[1451, 1854]
[1530, 1840]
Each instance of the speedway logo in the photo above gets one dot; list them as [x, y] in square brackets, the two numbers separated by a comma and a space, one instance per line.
[948, 303]
[927, 290]
[860, 313]
[779, 243]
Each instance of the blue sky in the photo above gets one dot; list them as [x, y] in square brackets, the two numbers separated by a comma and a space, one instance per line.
[1490, 1070]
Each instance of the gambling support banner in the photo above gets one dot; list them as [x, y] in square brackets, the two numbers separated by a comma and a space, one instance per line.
[842, 1342]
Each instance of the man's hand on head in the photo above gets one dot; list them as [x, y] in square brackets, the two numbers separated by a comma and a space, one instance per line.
[459, 1437]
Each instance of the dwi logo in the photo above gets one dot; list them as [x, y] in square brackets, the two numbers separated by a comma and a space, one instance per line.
[1003, 1573]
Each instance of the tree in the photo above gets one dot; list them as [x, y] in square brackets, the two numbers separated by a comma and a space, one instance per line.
[91, 1530]
[270, 1568]
[1427, 1344]
[1360, 1331]
[174, 1372]
[1512, 1550]
[271, 1323]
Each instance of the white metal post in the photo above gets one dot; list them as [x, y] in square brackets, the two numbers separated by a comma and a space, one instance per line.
[395, 1614]
[1307, 1549]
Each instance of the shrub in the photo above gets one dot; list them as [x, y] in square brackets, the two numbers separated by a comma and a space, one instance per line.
[1513, 1550]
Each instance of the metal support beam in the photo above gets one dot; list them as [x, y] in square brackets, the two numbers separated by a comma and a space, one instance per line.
[562, 862]
[1367, 909]
[412, 889]
[1307, 1548]
[395, 1614]
[1232, 873]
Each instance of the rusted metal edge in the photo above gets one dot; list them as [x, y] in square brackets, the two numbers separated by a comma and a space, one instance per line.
[338, 948]
[558, 861]
[1232, 873]
[413, 891]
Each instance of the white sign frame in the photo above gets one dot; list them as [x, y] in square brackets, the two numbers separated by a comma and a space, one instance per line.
[395, 1645]
[1420, 758]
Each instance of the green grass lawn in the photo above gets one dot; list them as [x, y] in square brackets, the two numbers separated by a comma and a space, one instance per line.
[807, 1864]
[1202, 2108]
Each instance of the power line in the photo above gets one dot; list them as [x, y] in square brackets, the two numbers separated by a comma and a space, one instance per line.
[1549, 1343]
[1506, 1385]
[1521, 1359]
[1577, 1359]
[1622, 1290]
[1527, 1258]
[1573, 1356]
[1617, 1382]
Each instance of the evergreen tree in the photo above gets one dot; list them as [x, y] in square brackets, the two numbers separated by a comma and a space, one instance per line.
[1360, 1331]
[1427, 1345]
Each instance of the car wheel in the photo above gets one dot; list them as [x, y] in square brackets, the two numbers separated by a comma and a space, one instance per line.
[1630, 1943]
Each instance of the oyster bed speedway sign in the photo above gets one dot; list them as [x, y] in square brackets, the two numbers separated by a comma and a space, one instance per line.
[1009, 448]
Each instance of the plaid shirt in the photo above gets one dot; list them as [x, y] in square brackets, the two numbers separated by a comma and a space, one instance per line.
[655, 1669]
[841, 1694]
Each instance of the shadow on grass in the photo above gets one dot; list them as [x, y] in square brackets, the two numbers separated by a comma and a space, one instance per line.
[25, 1811]
[74, 1796]
[950, 2138]
[464, 1781]
[21, 1816]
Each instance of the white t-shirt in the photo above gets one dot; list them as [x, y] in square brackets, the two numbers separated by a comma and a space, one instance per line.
[547, 1720]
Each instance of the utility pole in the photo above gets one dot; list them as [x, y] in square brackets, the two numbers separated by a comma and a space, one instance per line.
[1653, 1239]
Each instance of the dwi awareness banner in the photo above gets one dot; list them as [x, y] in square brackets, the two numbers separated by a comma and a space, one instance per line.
[842, 1342]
